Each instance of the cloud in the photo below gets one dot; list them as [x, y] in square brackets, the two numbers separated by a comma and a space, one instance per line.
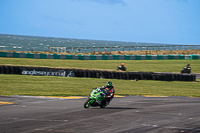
[53, 18]
[179, 1]
[62, 20]
[110, 2]
[182, 1]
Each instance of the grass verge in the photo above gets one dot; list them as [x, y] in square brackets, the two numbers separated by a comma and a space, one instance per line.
[132, 65]
[67, 86]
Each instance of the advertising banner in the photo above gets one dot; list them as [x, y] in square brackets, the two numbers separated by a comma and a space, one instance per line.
[48, 72]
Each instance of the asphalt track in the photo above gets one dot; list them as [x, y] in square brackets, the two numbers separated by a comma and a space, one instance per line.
[130, 114]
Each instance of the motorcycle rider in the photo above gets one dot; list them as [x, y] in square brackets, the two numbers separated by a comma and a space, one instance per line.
[109, 91]
[187, 66]
[186, 69]
[122, 67]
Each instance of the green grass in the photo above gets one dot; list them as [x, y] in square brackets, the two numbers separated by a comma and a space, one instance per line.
[66, 86]
[132, 65]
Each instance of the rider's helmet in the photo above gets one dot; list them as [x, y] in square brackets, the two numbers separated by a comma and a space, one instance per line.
[109, 84]
[123, 64]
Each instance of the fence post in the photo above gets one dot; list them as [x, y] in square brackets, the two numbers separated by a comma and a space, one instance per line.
[104, 49]
[171, 48]
[57, 49]
[135, 48]
[98, 49]
[91, 49]
[72, 49]
[123, 48]
[183, 47]
[141, 48]
[129, 48]
[177, 47]
[164, 47]
[85, 50]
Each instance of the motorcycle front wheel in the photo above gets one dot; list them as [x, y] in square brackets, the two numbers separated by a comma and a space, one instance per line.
[87, 103]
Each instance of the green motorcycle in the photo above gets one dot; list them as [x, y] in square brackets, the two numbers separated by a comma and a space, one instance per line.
[96, 98]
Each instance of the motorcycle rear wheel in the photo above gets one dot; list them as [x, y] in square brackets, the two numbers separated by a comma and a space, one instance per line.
[103, 104]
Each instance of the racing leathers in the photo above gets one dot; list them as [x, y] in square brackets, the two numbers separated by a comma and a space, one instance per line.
[186, 69]
[109, 91]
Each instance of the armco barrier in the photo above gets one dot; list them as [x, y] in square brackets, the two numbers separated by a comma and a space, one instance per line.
[5, 69]
[97, 57]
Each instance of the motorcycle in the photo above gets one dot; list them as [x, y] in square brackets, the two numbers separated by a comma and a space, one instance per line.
[186, 70]
[119, 68]
[96, 98]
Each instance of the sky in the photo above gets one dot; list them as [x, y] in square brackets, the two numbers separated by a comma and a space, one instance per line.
[149, 21]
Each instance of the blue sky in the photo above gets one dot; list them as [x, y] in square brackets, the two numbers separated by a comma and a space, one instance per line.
[150, 21]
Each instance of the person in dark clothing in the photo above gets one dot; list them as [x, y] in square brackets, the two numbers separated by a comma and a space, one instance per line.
[122, 67]
[186, 69]
[109, 91]
[187, 66]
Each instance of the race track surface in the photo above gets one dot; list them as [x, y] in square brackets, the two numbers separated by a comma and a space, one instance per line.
[130, 114]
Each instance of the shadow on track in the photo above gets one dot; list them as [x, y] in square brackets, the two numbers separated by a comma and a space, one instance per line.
[114, 108]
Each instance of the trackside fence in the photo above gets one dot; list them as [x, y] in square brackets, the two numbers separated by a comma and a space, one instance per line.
[96, 57]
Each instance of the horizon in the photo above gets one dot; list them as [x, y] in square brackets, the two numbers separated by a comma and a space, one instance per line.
[93, 39]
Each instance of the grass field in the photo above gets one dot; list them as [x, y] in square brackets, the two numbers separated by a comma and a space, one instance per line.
[64, 86]
[132, 65]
